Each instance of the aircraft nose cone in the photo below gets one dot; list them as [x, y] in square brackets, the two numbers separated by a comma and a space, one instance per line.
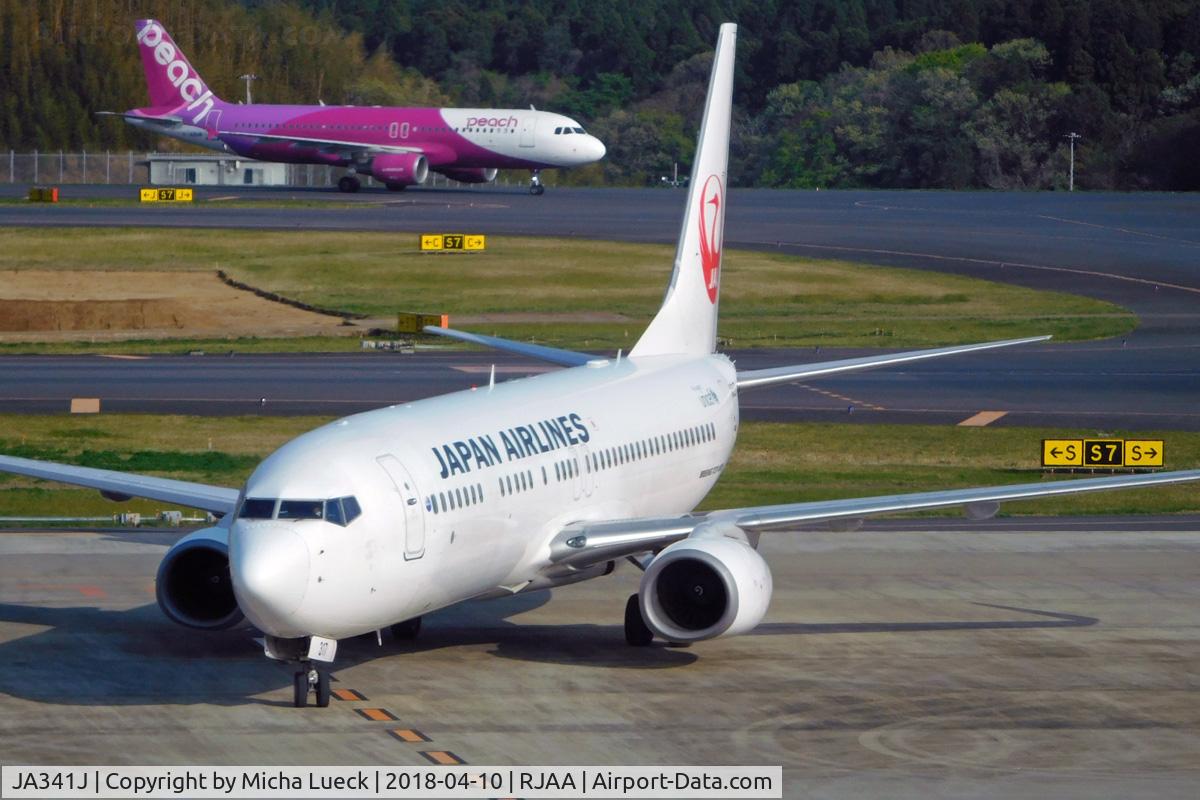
[598, 149]
[268, 563]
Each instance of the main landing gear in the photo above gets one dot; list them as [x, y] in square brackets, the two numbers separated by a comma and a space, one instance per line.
[310, 679]
[636, 632]
[535, 183]
[349, 183]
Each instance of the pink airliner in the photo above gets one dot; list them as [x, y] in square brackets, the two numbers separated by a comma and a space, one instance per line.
[397, 146]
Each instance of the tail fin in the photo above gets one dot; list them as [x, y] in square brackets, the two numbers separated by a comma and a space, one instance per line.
[687, 321]
[173, 82]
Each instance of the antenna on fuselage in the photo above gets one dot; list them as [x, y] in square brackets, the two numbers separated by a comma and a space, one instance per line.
[492, 378]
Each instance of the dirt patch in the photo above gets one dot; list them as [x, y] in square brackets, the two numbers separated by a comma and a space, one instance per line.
[58, 305]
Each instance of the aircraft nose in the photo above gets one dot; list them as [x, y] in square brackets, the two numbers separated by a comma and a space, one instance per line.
[269, 566]
[596, 148]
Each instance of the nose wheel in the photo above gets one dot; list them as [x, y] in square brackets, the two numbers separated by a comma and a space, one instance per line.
[349, 183]
[310, 680]
[535, 183]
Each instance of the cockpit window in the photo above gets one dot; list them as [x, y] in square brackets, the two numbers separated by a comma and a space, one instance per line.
[333, 512]
[301, 509]
[579, 130]
[257, 508]
[558, 131]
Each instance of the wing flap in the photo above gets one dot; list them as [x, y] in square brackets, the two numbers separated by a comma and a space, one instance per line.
[583, 544]
[752, 379]
[217, 499]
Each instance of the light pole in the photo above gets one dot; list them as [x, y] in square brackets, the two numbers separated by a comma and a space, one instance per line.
[1072, 136]
[248, 77]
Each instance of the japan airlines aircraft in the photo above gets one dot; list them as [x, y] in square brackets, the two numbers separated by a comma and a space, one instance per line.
[376, 519]
[397, 146]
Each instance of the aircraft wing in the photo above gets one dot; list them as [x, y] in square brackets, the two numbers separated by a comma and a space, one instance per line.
[217, 499]
[564, 358]
[324, 144]
[752, 379]
[584, 544]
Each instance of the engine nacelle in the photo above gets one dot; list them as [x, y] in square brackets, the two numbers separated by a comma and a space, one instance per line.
[403, 169]
[471, 175]
[193, 585]
[710, 584]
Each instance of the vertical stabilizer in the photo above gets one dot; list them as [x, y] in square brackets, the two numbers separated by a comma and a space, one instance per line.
[173, 83]
[687, 321]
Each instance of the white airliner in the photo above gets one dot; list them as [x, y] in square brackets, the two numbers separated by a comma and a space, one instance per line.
[376, 519]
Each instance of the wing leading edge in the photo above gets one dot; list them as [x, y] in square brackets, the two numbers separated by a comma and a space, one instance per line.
[217, 499]
[584, 544]
[752, 379]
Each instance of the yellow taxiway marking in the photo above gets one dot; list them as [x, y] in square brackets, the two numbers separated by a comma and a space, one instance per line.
[981, 419]
[442, 757]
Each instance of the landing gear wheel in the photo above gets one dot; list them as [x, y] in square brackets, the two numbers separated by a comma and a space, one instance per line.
[535, 183]
[408, 629]
[322, 688]
[349, 183]
[537, 189]
[397, 187]
[636, 632]
[300, 689]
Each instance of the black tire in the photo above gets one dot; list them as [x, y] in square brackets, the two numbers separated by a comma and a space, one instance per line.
[408, 629]
[348, 184]
[538, 189]
[636, 632]
[300, 689]
[397, 187]
[322, 689]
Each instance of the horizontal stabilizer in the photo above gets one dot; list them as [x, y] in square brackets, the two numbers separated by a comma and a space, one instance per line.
[564, 358]
[165, 120]
[751, 379]
[217, 499]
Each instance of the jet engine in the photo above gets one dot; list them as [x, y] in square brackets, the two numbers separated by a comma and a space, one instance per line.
[193, 585]
[711, 584]
[403, 169]
[471, 175]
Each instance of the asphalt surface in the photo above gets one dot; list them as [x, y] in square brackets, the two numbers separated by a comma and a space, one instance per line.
[1139, 250]
[1017, 658]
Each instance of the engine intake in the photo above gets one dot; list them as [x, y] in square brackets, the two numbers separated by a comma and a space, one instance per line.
[193, 585]
[710, 584]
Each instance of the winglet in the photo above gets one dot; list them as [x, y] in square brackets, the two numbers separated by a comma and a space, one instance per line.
[687, 321]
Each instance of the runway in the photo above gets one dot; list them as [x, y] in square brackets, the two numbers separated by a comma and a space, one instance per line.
[1103, 385]
[1037, 658]
[1141, 251]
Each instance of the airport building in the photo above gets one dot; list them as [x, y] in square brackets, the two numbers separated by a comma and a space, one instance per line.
[189, 169]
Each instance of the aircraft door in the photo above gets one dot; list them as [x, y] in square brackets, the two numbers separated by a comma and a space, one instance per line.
[414, 519]
[528, 129]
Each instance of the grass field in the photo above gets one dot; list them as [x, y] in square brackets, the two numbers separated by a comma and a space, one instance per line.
[768, 299]
[773, 463]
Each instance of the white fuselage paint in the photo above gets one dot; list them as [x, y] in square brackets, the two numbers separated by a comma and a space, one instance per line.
[300, 578]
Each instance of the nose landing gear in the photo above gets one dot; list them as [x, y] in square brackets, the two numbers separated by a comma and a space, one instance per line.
[349, 183]
[312, 679]
[535, 183]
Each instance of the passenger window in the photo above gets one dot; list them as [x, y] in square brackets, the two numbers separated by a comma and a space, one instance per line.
[458, 493]
[333, 512]
[350, 509]
[301, 509]
[257, 508]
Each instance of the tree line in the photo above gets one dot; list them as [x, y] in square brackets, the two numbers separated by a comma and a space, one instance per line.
[829, 93]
